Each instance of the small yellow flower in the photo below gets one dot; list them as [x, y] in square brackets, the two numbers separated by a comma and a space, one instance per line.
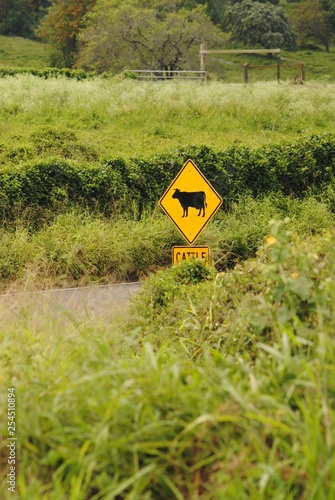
[294, 275]
[271, 240]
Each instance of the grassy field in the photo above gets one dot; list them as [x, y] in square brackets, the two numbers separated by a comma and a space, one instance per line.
[218, 382]
[90, 121]
[16, 52]
[213, 385]
[228, 68]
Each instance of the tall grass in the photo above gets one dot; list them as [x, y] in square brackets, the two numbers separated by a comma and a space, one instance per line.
[105, 118]
[79, 248]
[230, 397]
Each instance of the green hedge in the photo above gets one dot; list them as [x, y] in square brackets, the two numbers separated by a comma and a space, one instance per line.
[78, 74]
[290, 168]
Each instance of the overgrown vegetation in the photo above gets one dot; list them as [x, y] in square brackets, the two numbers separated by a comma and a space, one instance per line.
[225, 391]
[38, 189]
[218, 382]
[95, 120]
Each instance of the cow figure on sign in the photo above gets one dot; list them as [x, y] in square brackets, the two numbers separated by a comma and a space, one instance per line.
[196, 199]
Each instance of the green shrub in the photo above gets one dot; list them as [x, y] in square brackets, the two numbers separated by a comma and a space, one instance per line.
[57, 184]
[294, 169]
[48, 73]
[162, 287]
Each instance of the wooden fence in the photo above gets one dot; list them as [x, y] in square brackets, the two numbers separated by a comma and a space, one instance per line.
[153, 75]
[299, 78]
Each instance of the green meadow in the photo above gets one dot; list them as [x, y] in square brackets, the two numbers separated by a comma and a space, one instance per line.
[96, 119]
[17, 52]
[217, 382]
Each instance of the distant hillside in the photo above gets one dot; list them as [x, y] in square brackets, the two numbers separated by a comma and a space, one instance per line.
[18, 52]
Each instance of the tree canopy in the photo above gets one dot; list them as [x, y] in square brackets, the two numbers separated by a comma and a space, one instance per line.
[20, 17]
[310, 22]
[260, 24]
[61, 27]
[161, 35]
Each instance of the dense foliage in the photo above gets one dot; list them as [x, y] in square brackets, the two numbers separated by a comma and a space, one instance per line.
[163, 38]
[310, 21]
[61, 28]
[292, 169]
[161, 35]
[260, 25]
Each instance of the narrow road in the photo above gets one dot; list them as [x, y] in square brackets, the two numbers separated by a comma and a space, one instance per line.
[99, 301]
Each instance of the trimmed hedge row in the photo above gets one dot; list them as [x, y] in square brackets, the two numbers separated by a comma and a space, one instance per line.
[290, 168]
[78, 74]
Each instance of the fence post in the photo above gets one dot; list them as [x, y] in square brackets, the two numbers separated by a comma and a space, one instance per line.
[245, 72]
[203, 47]
[278, 68]
[302, 73]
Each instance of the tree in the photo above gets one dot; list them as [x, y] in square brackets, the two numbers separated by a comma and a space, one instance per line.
[20, 17]
[61, 27]
[311, 25]
[163, 37]
[328, 7]
[260, 24]
[215, 8]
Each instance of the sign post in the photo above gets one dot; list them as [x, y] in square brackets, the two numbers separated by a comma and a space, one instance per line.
[190, 202]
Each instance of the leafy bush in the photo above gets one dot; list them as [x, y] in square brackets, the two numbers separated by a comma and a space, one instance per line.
[293, 169]
[48, 73]
[161, 288]
[286, 288]
[56, 184]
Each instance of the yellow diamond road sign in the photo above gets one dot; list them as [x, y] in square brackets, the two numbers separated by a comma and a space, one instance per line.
[190, 201]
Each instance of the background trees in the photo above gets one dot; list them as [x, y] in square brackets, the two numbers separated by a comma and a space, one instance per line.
[260, 24]
[163, 37]
[163, 34]
[20, 17]
[310, 23]
[61, 27]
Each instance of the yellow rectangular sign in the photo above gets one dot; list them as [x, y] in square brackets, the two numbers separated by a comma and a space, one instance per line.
[186, 253]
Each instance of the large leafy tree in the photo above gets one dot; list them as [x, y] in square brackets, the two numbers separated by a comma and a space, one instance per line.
[156, 35]
[328, 7]
[260, 24]
[20, 17]
[311, 24]
[61, 27]
[215, 8]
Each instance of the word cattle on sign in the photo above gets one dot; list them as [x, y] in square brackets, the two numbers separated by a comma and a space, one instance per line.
[186, 253]
[190, 201]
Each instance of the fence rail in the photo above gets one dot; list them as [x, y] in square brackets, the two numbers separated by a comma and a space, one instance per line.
[158, 75]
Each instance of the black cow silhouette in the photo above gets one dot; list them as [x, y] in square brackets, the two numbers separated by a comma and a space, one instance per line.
[196, 199]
